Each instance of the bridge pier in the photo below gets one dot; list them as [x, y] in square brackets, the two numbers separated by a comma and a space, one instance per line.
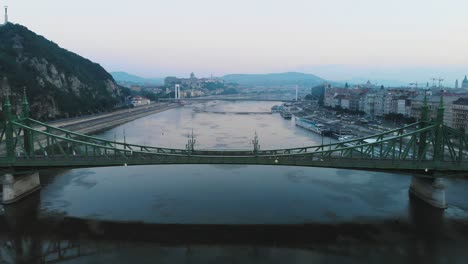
[17, 187]
[431, 191]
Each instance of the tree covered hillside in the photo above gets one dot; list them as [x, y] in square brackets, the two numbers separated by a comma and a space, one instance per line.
[59, 83]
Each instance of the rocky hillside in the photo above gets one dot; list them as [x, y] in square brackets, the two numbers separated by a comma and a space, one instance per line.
[59, 83]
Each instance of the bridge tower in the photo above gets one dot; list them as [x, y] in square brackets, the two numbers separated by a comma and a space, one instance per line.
[28, 140]
[431, 190]
[297, 93]
[17, 185]
[439, 137]
[256, 144]
[425, 123]
[177, 92]
[10, 151]
[190, 146]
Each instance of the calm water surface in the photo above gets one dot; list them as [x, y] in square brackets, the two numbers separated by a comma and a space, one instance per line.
[219, 194]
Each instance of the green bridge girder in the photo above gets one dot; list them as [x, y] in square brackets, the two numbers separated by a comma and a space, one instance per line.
[424, 147]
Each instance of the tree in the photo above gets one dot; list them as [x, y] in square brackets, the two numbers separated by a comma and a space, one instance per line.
[230, 91]
[318, 92]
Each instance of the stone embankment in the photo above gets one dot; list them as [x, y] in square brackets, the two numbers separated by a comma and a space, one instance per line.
[96, 123]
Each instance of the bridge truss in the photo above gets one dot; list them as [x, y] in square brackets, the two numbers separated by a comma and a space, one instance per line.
[424, 147]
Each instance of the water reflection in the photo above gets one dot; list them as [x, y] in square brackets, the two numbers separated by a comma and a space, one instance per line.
[21, 243]
[29, 238]
[29, 235]
[427, 220]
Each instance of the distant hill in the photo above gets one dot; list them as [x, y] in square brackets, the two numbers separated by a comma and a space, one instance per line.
[126, 78]
[59, 83]
[274, 79]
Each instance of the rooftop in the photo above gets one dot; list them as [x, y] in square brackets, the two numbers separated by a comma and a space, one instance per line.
[461, 101]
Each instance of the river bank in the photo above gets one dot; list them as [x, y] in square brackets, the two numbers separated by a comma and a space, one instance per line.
[96, 123]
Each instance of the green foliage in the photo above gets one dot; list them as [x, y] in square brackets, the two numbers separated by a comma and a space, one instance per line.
[211, 86]
[230, 91]
[126, 93]
[318, 92]
[148, 94]
[399, 118]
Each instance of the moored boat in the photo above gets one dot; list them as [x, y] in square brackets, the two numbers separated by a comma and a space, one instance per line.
[313, 126]
[286, 114]
[276, 109]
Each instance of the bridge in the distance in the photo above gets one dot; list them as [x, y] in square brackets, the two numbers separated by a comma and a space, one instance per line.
[229, 98]
[426, 148]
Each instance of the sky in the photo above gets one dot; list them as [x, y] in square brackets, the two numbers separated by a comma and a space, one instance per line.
[404, 40]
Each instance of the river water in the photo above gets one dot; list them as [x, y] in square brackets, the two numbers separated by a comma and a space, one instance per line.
[347, 216]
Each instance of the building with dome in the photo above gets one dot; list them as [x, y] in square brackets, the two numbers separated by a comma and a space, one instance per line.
[465, 83]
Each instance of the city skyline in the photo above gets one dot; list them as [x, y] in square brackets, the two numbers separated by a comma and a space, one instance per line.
[336, 40]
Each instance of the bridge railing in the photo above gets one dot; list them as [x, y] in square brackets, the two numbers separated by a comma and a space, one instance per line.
[124, 145]
[100, 141]
[47, 145]
[396, 147]
[44, 140]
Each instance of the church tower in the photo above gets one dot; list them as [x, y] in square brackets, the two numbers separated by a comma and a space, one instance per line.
[456, 84]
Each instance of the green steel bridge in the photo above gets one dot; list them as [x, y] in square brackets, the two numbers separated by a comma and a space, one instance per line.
[428, 150]
[425, 147]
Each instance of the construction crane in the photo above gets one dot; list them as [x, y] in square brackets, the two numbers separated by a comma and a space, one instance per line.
[434, 80]
[440, 82]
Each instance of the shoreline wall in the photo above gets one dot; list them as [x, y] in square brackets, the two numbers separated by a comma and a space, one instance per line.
[94, 124]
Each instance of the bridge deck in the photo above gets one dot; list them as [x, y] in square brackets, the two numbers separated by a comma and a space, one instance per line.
[421, 167]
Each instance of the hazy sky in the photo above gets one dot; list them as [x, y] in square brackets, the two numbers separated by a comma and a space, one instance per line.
[372, 38]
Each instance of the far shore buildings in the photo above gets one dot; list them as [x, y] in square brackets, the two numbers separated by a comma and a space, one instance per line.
[192, 82]
[377, 102]
[460, 114]
[433, 103]
[195, 87]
